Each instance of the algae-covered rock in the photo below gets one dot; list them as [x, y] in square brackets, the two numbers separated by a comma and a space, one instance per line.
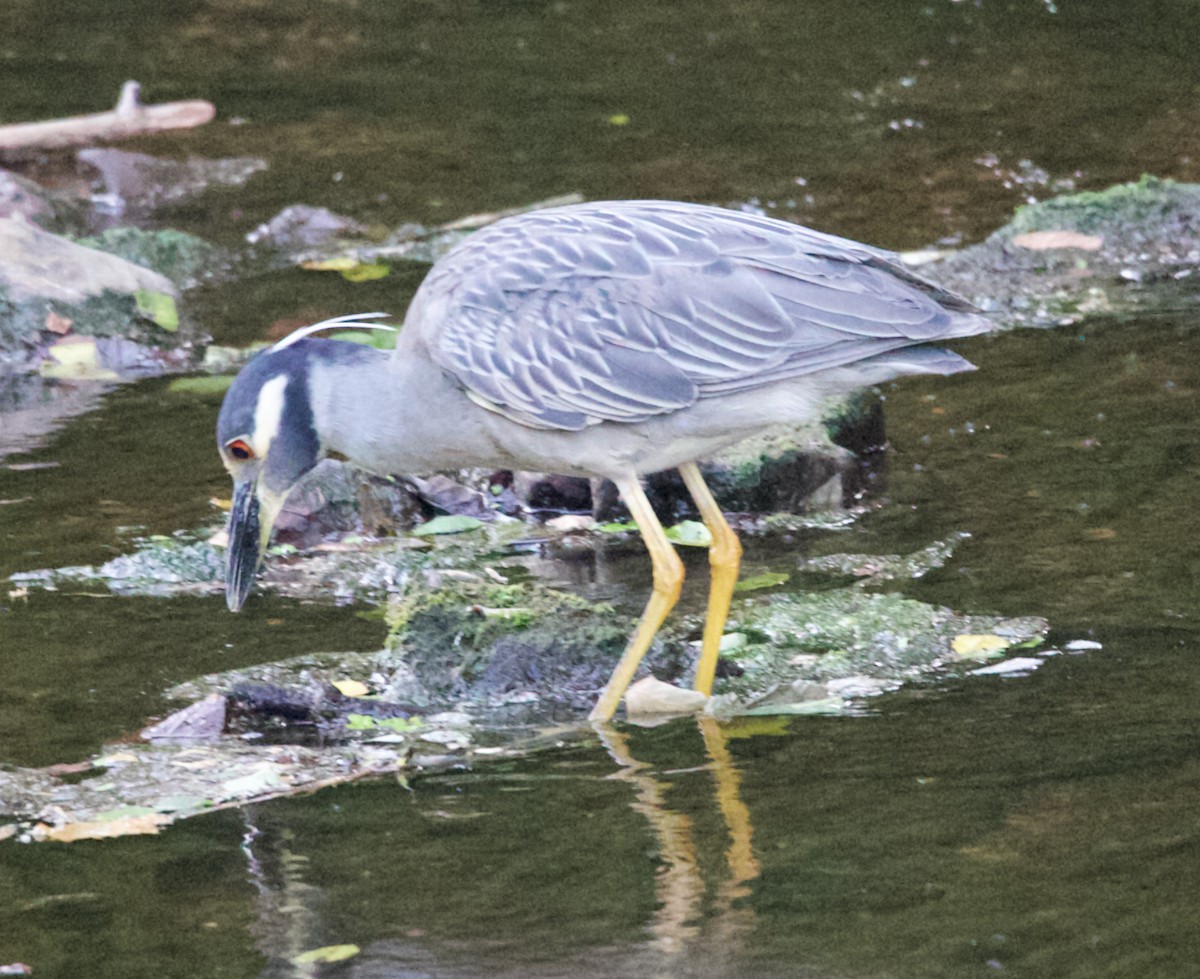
[512, 643]
[50, 286]
[876, 641]
[1062, 258]
[181, 257]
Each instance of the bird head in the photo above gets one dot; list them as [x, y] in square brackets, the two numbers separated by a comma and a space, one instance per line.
[267, 440]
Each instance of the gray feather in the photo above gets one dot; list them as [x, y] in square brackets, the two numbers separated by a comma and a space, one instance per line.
[622, 311]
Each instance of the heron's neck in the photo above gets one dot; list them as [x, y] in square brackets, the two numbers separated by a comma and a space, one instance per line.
[392, 415]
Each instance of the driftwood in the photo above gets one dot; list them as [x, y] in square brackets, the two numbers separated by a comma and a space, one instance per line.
[128, 118]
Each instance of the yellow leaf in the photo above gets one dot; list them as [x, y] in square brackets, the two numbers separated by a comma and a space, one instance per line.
[967, 646]
[76, 357]
[341, 264]
[366, 272]
[619, 119]
[328, 953]
[351, 688]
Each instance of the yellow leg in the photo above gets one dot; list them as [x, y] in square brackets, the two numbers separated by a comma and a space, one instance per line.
[668, 580]
[724, 555]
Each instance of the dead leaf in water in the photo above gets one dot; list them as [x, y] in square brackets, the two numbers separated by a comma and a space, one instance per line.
[142, 824]
[967, 646]
[1100, 533]
[329, 953]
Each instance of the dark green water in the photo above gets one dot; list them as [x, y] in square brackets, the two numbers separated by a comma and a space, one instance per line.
[1042, 826]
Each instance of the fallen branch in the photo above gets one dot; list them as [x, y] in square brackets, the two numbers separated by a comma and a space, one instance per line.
[128, 118]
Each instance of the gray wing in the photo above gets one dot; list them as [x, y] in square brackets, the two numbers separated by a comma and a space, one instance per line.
[621, 311]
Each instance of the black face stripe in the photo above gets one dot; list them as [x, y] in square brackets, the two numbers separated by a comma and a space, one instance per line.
[295, 447]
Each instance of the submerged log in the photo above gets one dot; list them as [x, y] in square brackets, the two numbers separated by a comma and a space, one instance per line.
[128, 118]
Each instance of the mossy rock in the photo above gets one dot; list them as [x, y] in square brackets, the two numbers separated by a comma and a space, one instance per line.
[493, 642]
[1144, 234]
[181, 257]
[1150, 206]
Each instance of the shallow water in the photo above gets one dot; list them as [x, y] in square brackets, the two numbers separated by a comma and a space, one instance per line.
[1035, 826]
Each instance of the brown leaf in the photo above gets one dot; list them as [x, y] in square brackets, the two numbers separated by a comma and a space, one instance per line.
[131, 826]
[56, 323]
[1040, 241]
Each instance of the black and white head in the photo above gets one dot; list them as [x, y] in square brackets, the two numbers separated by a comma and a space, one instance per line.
[268, 439]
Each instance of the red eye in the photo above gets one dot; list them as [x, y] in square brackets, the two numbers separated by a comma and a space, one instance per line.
[239, 449]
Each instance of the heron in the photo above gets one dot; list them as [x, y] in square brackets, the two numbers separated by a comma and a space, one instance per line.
[610, 339]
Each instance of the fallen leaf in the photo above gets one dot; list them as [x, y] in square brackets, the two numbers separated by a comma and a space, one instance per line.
[447, 524]
[365, 722]
[341, 264]
[56, 323]
[148, 823]
[366, 272]
[76, 357]
[690, 533]
[967, 646]
[329, 953]
[767, 580]
[616, 527]
[158, 307]
[1040, 241]
[1100, 533]
[351, 688]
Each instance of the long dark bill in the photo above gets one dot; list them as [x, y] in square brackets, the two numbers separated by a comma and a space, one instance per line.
[244, 549]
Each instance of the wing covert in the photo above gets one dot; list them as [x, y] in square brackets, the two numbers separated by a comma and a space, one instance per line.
[622, 311]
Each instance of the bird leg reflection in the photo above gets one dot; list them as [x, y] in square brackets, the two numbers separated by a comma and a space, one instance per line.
[724, 556]
[743, 864]
[680, 888]
[668, 581]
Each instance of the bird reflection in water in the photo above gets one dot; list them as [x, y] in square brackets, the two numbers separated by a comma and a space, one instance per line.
[683, 920]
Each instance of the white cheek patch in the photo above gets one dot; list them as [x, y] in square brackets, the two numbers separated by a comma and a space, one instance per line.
[268, 413]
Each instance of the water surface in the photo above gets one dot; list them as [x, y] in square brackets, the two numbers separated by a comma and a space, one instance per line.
[1040, 826]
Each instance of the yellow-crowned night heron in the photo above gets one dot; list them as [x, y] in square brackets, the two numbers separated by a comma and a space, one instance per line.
[608, 339]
